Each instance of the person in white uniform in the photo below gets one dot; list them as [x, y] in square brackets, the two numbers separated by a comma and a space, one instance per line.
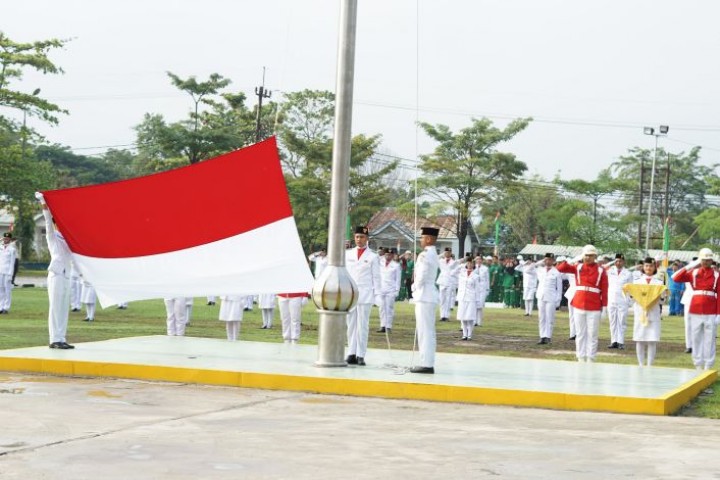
[549, 294]
[569, 293]
[58, 281]
[231, 312]
[363, 265]
[618, 303]
[175, 309]
[8, 254]
[266, 304]
[468, 292]
[646, 337]
[446, 281]
[426, 298]
[320, 260]
[390, 273]
[290, 306]
[530, 280]
[88, 298]
[483, 273]
[188, 310]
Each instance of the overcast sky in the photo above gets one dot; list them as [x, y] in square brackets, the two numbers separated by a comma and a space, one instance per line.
[592, 74]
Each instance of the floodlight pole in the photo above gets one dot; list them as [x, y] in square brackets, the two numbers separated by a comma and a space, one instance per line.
[334, 292]
[651, 131]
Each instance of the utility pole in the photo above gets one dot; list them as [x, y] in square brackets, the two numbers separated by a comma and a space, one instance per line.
[261, 93]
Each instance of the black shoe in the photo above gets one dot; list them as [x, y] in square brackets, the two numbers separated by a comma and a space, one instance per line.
[264, 327]
[75, 310]
[55, 345]
[526, 315]
[351, 360]
[87, 320]
[443, 319]
[381, 330]
[688, 350]
[572, 338]
[422, 370]
[621, 346]
[2, 311]
[613, 345]
[361, 361]
[542, 341]
[548, 341]
[66, 346]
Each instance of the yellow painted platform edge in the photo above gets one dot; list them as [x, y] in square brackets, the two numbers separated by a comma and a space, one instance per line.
[353, 387]
[680, 396]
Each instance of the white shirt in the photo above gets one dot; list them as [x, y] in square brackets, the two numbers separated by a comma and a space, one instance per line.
[60, 255]
[366, 273]
[389, 277]
[549, 285]
[616, 279]
[8, 254]
[426, 269]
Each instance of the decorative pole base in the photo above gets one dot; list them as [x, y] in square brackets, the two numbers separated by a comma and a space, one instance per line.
[332, 329]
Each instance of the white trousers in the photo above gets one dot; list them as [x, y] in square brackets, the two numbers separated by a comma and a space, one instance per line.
[90, 311]
[290, 312]
[232, 328]
[358, 325]
[175, 309]
[387, 310]
[529, 307]
[586, 329]
[425, 329]
[58, 294]
[467, 328]
[703, 331]
[617, 313]
[641, 348]
[479, 317]
[447, 299]
[75, 293]
[5, 292]
[571, 317]
[546, 318]
[267, 316]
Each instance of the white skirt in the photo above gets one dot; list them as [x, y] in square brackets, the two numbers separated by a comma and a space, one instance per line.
[266, 300]
[649, 333]
[231, 308]
[467, 311]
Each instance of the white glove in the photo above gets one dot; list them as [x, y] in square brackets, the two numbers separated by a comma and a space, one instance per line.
[603, 312]
[692, 264]
[577, 259]
[40, 197]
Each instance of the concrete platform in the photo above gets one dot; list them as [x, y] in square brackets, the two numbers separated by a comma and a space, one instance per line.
[459, 378]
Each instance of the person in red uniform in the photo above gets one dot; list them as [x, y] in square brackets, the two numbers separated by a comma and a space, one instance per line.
[589, 302]
[704, 306]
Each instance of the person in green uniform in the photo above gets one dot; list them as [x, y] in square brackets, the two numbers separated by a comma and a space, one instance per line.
[508, 283]
[495, 271]
[408, 271]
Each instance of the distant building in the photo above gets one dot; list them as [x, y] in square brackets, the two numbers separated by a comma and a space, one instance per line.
[389, 228]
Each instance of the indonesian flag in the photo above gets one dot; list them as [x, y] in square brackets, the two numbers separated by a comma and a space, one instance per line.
[219, 227]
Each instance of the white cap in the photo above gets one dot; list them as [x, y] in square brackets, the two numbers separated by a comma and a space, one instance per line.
[408, 251]
[705, 254]
[589, 250]
[489, 257]
[519, 257]
[560, 259]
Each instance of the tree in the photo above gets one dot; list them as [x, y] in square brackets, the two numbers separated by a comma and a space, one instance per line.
[306, 146]
[16, 57]
[466, 170]
[225, 124]
[688, 187]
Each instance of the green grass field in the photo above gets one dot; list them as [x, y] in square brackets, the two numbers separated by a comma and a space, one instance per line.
[506, 332]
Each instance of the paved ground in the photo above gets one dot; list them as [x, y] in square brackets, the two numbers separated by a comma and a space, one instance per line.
[58, 428]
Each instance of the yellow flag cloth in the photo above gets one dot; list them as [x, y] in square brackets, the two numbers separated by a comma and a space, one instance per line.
[645, 295]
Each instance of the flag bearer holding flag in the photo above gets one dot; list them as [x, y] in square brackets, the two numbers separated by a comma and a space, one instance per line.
[58, 281]
[704, 307]
[646, 323]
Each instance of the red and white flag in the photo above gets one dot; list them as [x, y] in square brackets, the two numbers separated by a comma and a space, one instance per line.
[219, 227]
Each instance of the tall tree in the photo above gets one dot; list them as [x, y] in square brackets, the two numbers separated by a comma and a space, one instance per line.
[15, 58]
[306, 143]
[466, 170]
[689, 184]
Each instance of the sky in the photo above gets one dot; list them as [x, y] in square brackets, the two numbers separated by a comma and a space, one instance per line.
[591, 74]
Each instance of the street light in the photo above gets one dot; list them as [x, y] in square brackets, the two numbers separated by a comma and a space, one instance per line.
[662, 131]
